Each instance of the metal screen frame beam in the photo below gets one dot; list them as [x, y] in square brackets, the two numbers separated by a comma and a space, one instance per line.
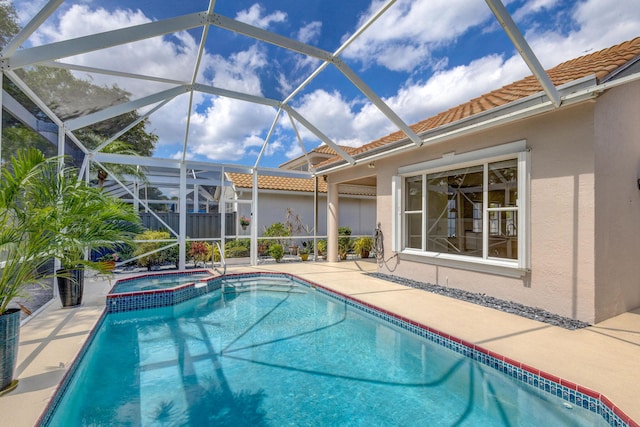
[95, 42]
[530, 58]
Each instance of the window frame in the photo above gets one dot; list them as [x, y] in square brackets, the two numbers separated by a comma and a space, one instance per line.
[515, 150]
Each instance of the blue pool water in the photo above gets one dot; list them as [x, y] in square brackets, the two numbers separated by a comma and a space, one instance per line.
[276, 353]
[157, 281]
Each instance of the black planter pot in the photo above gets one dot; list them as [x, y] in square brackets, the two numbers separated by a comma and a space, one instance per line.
[70, 286]
[9, 340]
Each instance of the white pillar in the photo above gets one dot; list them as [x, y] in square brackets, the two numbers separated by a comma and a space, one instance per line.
[182, 229]
[254, 219]
[196, 200]
[332, 222]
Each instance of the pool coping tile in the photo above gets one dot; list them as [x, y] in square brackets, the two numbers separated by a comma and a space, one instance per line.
[566, 390]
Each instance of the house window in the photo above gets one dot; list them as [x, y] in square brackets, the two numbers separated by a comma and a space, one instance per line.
[468, 210]
[413, 212]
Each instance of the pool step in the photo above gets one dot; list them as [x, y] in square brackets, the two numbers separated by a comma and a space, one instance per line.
[248, 285]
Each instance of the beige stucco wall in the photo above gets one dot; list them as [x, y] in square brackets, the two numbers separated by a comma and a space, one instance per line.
[617, 207]
[562, 214]
[358, 213]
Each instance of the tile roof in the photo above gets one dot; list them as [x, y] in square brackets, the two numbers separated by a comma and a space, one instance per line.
[283, 183]
[600, 64]
[325, 149]
[270, 182]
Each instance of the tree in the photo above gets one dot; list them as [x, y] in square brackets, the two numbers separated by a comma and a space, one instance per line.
[70, 97]
[8, 22]
[15, 136]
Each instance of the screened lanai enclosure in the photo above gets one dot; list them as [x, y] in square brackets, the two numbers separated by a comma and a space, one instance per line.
[179, 109]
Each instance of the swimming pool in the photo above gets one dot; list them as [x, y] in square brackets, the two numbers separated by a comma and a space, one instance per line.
[159, 281]
[272, 350]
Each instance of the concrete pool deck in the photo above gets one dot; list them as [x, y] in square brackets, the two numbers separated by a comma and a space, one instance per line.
[604, 357]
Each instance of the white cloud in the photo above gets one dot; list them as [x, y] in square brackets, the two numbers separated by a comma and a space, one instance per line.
[310, 32]
[159, 56]
[255, 16]
[417, 100]
[599, 24]
[533, 6]
[228, 128]
[337, 118]
[405, 35]
[240, 71]
[448, 88]
[224, 129]
[28, 9]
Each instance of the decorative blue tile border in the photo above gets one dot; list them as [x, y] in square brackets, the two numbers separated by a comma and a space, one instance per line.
[138, 300]
[565, 390]
[569, 392]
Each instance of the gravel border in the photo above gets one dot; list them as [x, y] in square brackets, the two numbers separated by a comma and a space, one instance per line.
[488, 301]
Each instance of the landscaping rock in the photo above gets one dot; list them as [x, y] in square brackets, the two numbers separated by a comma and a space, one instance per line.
[489, 301]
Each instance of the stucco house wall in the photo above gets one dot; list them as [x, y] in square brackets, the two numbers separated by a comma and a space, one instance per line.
[562, 273]
[617, 201]
[356, 212]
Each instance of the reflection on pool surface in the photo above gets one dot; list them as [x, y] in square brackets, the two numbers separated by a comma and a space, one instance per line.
[272, 351]
[159, 281]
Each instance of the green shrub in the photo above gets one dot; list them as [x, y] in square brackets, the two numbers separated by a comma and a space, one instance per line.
[276, 251]
[277, 229]
[216, 254]
[236, 252]
[237, 248]
[157, 258]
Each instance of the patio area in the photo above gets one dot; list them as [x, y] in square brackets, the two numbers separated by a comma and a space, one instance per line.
[602, 357]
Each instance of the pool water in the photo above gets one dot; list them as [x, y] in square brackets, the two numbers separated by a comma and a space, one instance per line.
[158, 281]
[278, 353]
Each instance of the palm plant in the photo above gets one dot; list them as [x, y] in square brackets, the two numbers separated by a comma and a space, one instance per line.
[88, 218]
[46, 212]
[25, 239]
[24, 244]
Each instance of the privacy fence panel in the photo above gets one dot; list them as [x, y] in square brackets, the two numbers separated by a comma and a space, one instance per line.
[199, 225]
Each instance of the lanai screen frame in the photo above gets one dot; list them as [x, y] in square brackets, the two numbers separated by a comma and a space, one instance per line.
[12, 58]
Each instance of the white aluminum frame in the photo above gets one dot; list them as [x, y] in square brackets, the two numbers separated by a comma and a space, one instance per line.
[50, 55]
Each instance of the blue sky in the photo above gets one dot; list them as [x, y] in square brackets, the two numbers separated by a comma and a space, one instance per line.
[421, 57]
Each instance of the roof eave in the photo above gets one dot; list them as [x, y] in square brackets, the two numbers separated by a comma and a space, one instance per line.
[537, 103]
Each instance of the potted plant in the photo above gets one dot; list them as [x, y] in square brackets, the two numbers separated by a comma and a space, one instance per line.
[344, 241]
[25, 243]
[85, 218]
[322, 247]
[303, 252]
[294, 225]
[263, 246]
[109, 260]
[363, 246]
[244, 222]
